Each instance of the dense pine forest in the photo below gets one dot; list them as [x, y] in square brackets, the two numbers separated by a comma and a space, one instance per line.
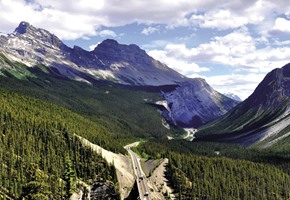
[40, 156]
[222, 171]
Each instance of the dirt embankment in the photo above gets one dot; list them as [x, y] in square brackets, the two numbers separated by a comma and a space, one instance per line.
[122, 164]
[159, 184]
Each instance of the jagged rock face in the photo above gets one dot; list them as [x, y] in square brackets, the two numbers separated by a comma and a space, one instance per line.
[195, 103]
[134, 65]
[104, 191]
[273, 88]
[260, 118]
[42, 35]
[126, 64]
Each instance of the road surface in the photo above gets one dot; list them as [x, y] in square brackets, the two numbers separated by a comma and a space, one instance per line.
[141, 179]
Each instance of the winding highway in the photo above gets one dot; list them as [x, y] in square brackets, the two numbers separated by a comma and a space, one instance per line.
[141, 180]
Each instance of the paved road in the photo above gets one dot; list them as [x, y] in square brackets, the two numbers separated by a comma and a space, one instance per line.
[141, 179]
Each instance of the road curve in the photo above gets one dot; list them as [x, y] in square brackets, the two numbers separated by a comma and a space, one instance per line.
[141, 179]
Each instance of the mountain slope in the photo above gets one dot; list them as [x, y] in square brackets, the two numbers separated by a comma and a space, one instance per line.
[111, 61]
[124, 110]
[262, 118]
[37, 143]
[126, 64]
[195, 103]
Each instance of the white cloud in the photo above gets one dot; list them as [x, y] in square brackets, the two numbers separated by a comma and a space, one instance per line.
[107, 33]
[149, 30]
[219, 19]
[80, 18]
[241, 85]
[93, 46]
[237, 49]
[282, 25]
[175, 62]
[282, 43]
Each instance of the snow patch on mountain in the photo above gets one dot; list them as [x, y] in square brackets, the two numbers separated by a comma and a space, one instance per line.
[232, 96]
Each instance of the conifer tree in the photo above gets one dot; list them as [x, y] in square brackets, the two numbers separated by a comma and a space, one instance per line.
[35, 188]
[69, 178]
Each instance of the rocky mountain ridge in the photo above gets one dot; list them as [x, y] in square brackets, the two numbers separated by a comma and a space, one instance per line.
[195, 103]
[126, 64]
[192, 104]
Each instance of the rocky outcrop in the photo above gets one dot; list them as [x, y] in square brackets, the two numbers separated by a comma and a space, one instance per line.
[103, 190]
[195, 103]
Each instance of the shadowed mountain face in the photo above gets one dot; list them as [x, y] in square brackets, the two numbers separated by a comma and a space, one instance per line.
[263, 118]
[126, 64]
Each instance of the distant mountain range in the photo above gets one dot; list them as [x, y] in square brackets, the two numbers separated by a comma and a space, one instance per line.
[192, 104]
[262, 119]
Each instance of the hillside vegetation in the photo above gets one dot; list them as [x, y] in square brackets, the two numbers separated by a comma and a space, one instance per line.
[125, 111]
[222, 171]
[40, 114]
[40, 155]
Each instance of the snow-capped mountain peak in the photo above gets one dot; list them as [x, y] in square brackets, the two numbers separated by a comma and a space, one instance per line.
[232, 96]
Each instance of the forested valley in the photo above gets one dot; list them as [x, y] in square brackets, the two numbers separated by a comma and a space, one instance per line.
[199, 170]
[40, 116]
[41, 157]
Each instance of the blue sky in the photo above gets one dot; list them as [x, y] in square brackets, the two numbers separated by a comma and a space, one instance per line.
[232, 44]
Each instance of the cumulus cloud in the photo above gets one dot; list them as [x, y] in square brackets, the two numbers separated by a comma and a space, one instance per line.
[177, 63]
[219, 19]
[149, 30]
[282, 24]
[237, 49]
[242, 85]
[107, 33]
[83, 17]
